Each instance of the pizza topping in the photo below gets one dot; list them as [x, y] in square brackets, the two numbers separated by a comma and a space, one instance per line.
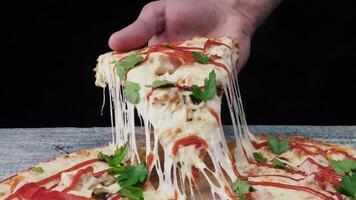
[343, 167]
[123, 66]
[241, 187]
[100, 193]
[277, 146]
[209, 88]
[161, 84]
[76, 178]
[279, 164]
[347, 185]
[129, 179]
[38, 170]
[200, 57]
[132, 193]
[117, 158]
[209, 43]
[133, 175]
[189, 140]
[259, 158]
[131, 92]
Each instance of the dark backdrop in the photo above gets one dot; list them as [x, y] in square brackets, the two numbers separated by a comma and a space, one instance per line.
[301, 70]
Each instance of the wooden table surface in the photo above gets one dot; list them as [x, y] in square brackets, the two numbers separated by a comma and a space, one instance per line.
[21, 148]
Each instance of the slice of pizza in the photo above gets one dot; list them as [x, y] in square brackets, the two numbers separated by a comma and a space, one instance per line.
[176, 89]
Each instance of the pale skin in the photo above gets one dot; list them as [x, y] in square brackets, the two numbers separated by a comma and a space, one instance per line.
[170, 20]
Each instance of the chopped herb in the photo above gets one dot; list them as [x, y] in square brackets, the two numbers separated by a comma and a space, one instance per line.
[117, 159]
[277, 146]
[131, 92]
[347, 185]
[133, 175]
[116, 170]
[242, 198]
[160, 84]
[278, 163]
[209, 88]
[128, 177]
[259, 158]
[200, 57]
[120, 154]
[132, 192]
[343, 167]
[241, 187]
[123, 66]
[38, 170]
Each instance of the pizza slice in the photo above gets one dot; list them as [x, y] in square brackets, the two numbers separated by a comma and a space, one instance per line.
[177, 90]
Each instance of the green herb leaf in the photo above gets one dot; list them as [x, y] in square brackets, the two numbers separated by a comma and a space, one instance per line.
[343, 167]
[38, 170]
[117, 158]
[241, 187]
[277, 146]
[115, 170]
[278, 163]
[127, 64]
[133, 175]
[347, 185]
[131, 92]
[241, 198]
[160, 84]
[209, 88]
[132, 193]
[200, 57]
[105, 158]
[120, 154]
[120, 70]
[259, 158]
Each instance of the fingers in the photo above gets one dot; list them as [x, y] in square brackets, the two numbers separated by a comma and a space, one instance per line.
[244, 53]
[150, 22]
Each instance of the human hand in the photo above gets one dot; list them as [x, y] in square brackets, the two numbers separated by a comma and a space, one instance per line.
[170, 20]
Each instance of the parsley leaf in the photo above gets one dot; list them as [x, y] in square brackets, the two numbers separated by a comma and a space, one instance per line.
[129, 63]
[259, 158]
[277, 146]
[241, 187]
[131, 92]
[116, 170]
[209, 88]
[347, 185]
[278, 163]
[38, 170]
[200, 57]
[120, 154]
[128, 177]
[160, 84]
[133, 175]
[132, 192]
[117, 158]
[343, 167]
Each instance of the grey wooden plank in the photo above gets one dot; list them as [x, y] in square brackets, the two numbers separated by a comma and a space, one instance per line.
[22, 148]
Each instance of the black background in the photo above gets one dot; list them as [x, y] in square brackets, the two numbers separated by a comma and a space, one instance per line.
[301, 70]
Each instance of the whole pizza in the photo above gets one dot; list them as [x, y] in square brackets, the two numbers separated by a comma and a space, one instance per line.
[176, 90]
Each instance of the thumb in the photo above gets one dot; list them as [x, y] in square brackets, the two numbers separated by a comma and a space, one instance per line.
[150, 22]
